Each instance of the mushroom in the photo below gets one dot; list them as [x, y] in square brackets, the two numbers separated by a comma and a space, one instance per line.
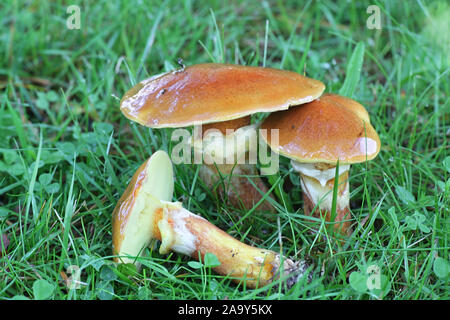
[145, 212]
[318, 135]
[218, 100]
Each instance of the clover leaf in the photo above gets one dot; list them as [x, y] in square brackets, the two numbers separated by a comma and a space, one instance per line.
[417, 221]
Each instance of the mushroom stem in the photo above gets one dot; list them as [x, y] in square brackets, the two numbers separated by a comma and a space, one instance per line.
[144, 212]
[184, 232]
[238, 184]
[228, 152]
[318, 188]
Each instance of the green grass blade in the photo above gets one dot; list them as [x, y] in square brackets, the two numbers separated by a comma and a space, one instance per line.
[353, 71]
[335, 193]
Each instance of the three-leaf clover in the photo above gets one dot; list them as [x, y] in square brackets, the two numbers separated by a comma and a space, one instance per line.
[45, 183]
[42, 289]
[370, 280]
[417, 220]
[209, 260]
[43, 99]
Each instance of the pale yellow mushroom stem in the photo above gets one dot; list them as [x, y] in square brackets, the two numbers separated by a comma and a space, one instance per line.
[226, 167]
[184, 232]
[317, 182]
[144, 213]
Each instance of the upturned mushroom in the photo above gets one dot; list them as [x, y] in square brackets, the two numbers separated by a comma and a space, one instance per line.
[218, 100]
[315, 136]
[145, 212]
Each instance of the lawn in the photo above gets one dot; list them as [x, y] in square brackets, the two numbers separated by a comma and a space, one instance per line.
[67, 153]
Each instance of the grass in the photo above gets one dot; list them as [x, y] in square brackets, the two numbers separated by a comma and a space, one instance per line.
[67, 153]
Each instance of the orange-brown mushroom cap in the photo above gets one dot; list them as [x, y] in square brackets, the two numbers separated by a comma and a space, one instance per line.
[208, 93]
[328, 129]
[124, 206]
[132, 218]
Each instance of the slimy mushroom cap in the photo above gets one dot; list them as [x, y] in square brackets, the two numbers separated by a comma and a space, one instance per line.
[212, 92]
[325, 130]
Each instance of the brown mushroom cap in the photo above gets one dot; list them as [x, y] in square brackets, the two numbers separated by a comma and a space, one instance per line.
[207, 93]
[325, 130]
[132, 216]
